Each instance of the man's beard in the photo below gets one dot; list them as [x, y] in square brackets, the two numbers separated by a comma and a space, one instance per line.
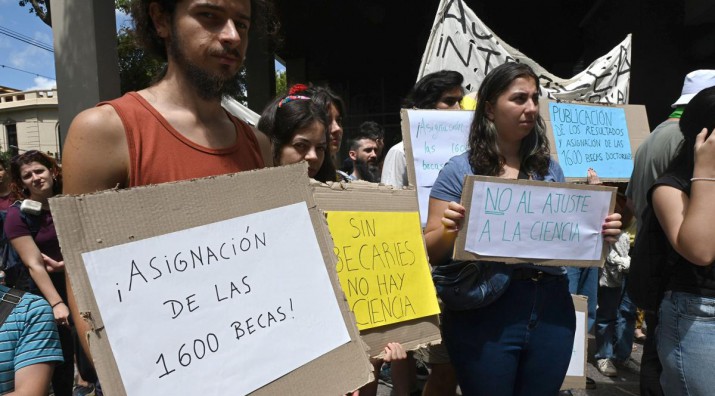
[208, 86]
[368, 171]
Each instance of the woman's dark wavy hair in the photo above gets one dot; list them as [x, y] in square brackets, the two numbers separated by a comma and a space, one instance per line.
[280, 123]
[484, 155]
[699, 113]
[5, 165]
[263, 20]
[18, 187]
[325, 97]
[427, 91]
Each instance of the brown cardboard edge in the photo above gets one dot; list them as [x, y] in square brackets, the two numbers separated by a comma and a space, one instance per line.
[461, 254]
[407, 141]
[375, 197]
[106, 366]
[572, 381]
[347, 364]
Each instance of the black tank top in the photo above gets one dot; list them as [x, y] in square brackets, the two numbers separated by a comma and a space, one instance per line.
[687, 277]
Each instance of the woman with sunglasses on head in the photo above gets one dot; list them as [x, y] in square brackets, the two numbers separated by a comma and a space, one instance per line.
[37, 177]
[299, 130]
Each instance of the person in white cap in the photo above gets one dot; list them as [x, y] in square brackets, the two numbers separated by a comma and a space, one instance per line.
[656, 151]
[651, 160]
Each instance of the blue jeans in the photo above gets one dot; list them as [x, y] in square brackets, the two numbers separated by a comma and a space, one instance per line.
[615, 324]
[584, 282]
[521, 344]
[686, 344]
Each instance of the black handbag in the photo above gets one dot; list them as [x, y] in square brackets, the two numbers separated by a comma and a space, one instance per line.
[463, 285]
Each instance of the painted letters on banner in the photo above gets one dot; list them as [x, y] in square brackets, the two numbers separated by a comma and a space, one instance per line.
[460, 41]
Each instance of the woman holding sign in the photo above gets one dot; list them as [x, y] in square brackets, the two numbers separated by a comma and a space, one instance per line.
[520, 343]
[298, 127]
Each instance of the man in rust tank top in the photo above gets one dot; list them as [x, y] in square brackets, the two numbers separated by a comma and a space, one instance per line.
[176, 128]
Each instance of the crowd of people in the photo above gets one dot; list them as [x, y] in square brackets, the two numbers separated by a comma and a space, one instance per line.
[519, 342]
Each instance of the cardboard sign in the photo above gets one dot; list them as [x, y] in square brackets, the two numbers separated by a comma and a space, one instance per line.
[601, 137]
[533, 221]
[431, 138]
[576, 373]
[384, 203]
[178, 292]
[382, 266]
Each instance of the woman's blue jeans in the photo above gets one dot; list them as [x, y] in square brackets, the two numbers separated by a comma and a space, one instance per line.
[615, 324]
[686, 344]
[519, 345]
[584, 282]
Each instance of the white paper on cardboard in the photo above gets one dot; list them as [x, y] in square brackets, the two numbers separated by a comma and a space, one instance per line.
[436, 137]
[219, 298]
[423, 202]
[536, 221]
[576, 365]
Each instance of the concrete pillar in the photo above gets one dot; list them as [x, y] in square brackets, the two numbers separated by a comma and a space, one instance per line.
[260, 73]
[86, 61]
[296, 71]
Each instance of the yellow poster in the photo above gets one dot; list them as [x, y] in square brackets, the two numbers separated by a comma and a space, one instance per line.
[382, 266]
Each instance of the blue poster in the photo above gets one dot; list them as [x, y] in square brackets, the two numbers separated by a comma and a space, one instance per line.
[591, 137]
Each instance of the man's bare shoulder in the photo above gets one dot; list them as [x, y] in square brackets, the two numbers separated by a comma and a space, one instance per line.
[102, 120]
[95, 154]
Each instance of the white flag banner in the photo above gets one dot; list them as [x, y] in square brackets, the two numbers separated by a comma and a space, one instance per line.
[460, 41]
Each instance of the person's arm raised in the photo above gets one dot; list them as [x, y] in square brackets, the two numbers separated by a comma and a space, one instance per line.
[689, 222]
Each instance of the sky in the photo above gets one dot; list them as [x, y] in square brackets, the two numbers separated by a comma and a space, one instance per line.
[38, 65]
[35, 66]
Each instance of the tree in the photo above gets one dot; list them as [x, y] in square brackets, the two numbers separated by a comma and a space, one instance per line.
[5, 156]
[281, 83]
[136, 69]
[41, 8]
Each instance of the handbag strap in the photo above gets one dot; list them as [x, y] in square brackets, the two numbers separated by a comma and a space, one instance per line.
[8, 302]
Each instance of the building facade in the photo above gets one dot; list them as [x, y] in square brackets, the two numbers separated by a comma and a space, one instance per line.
[29, 121]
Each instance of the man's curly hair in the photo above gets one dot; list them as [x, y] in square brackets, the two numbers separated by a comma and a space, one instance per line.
[263, 20]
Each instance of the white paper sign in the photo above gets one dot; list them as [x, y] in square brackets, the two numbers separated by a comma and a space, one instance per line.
[222, 308]
[577, 364]
[435, 136]
[423, 202]
[536, 221]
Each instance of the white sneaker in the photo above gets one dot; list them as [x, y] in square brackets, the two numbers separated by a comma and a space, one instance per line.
[607, 368]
